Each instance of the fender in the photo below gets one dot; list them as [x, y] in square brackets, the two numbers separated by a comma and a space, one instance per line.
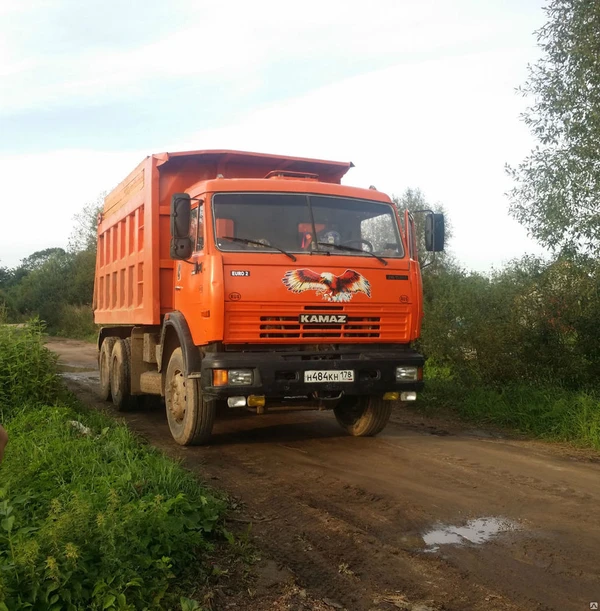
[175, 322]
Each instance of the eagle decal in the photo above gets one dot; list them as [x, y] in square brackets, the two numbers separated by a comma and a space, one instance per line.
[328, 285]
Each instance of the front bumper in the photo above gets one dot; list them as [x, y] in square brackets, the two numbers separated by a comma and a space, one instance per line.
[281, 374]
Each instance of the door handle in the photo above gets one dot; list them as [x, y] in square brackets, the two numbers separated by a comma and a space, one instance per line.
[178, 288]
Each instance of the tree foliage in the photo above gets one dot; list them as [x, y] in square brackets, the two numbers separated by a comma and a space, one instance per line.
[414, 201]
[84, 234]
[557, 191]
[57, 284]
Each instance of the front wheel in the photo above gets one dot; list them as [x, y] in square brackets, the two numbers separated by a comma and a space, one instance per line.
[190, 415]
[363, 416]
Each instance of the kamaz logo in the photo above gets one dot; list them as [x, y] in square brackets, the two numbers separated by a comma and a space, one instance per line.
[323, 319]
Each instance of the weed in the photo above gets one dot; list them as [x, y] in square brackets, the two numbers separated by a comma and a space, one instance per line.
[548, 412]
[27, 368]
[89, 517]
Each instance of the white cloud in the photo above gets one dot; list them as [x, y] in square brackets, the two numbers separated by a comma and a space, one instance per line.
[446, 126]
[233, 41]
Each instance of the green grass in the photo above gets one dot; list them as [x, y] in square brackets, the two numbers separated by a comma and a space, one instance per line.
[27, 369]
[543, 411]
[89, 517]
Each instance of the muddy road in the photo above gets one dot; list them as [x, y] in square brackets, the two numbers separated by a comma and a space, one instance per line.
[430, 515]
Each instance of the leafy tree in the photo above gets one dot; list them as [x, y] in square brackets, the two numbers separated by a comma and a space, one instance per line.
[39, 258]
[84, 233]
[45, 289]
[557, 190]
[414, 200]
[6, 277]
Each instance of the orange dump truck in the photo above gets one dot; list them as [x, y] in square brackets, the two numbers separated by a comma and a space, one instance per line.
[227, 279]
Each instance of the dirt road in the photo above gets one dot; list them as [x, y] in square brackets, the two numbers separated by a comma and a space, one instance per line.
[429, 515]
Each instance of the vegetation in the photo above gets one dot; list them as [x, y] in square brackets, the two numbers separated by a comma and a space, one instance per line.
[558, 185]
[518, 348]
[89, 518]
[56, 284]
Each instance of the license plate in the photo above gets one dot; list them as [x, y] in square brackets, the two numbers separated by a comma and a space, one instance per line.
[344, 375]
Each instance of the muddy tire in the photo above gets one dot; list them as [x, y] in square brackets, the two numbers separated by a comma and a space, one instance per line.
[120, 375]
[363, 416]
[190, 416]
[104, 358]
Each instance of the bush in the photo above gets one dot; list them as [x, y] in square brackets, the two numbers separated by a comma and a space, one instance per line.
[533, 322]
[91, 519]
[27, 368]
[77, 321]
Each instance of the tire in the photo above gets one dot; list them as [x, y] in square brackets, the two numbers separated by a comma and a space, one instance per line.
[190, 415]
[363, 416]
[104, 359]
[120, 375]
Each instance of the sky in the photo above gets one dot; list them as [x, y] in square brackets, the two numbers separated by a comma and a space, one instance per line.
[415, 94]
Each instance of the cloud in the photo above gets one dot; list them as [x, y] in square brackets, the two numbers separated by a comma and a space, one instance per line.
[68, 53]
[446, 126]
[418, 95]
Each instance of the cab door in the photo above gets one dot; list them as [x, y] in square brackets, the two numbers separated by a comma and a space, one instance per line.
[416, 281]
[189, 296]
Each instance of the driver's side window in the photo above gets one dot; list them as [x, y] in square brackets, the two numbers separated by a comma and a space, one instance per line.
[197, 227]
[200, 239]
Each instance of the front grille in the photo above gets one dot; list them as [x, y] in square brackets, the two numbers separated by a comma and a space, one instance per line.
[288, 326]
[272, 323]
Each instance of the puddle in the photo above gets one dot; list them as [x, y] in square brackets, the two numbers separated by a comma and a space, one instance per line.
[475, 531]
[87, 377]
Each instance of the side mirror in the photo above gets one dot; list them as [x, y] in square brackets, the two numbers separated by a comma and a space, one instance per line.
[434, 232]
[181, 243]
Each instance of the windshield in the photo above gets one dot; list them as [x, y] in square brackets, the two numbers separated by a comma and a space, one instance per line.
[295, 223]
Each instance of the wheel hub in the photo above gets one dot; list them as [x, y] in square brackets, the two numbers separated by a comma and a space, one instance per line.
[178, 396]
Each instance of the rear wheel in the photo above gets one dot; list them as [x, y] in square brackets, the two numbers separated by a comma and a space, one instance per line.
[190, 415]
[104, 358]
[363, 416]
[120, 375]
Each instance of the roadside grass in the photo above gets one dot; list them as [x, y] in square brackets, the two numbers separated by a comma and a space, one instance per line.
[543, 411]
[27, 369]
[90, 518]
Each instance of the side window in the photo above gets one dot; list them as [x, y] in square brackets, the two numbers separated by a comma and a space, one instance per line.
[197, 227]
[412, 239]
[200, 239]
[194, 226]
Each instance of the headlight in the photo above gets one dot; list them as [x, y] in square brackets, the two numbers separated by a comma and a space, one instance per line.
[407, 374]
[241, 377]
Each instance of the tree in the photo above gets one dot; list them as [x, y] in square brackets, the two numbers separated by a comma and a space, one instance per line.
[84, 234]
[39, 259]
[414, 200]
[557, 191]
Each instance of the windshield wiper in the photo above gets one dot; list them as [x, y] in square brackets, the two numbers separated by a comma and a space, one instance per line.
[248, 241]
[352, 249]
